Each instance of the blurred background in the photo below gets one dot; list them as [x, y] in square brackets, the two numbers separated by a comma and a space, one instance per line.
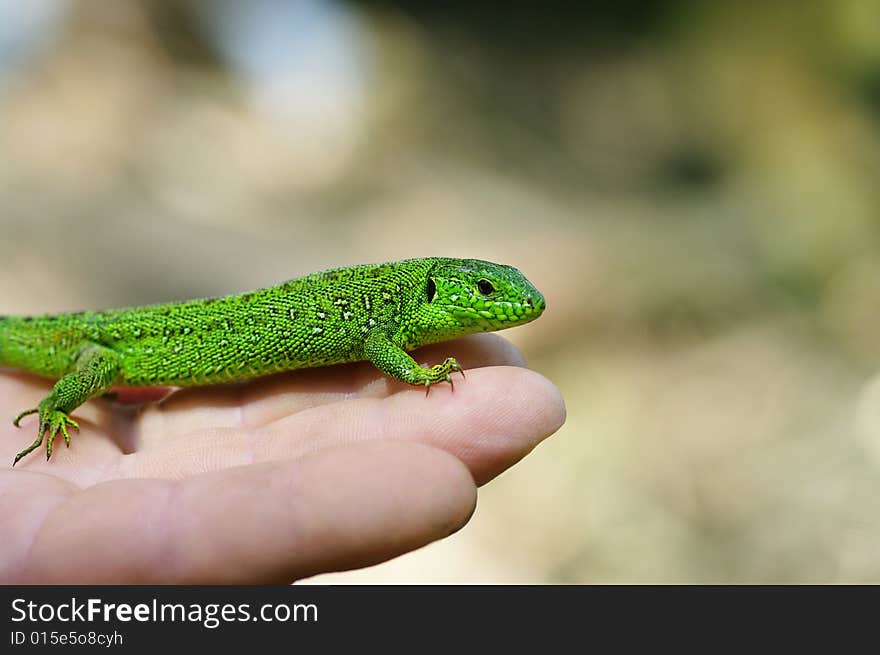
[694, 186]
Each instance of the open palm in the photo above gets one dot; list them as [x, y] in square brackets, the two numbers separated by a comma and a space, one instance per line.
[268, 481]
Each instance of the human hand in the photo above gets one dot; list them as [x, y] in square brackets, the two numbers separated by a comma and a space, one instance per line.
[268, 481]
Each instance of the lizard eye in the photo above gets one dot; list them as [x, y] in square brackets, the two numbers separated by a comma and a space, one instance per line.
[485, 287]
[431, 290]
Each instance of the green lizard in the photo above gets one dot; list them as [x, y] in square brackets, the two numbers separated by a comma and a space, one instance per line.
[374, 312]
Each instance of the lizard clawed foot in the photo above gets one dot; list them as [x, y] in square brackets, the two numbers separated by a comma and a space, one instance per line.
[442, 373]
[26, 412]
[52, 421]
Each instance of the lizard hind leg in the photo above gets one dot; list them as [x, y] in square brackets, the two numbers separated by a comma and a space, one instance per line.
[96, 369]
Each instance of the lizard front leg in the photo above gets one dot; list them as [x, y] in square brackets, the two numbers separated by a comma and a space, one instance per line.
[96, 369]
[396, 362]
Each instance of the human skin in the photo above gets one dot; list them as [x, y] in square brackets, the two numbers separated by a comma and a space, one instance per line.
[268, 481]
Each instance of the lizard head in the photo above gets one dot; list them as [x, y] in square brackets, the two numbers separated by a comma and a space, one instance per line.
[463, 296]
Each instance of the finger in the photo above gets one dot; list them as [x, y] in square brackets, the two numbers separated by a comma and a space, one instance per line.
[332, 510]
[491, 420]
[26, 499]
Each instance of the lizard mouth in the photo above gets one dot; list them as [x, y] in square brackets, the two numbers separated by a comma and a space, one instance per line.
[501, 313]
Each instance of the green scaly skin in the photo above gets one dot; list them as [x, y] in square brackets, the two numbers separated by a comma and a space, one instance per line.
[374, 312]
